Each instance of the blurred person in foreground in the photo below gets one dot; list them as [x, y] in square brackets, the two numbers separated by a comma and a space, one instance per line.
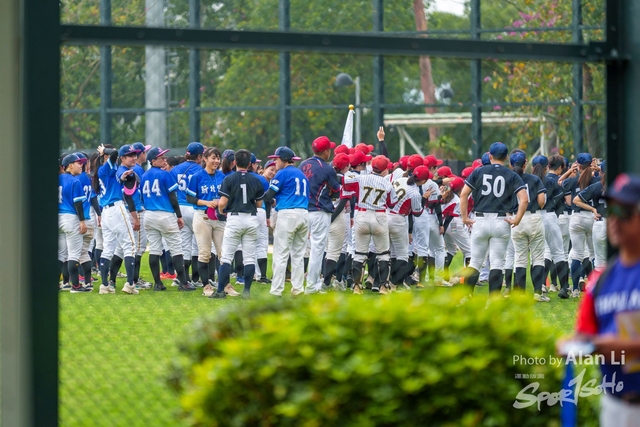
[613, 299]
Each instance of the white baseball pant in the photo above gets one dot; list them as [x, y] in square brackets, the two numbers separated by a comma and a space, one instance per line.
[554, 249]
[289, 238]
[241, 229]
[262, 246]
[528, 239]
[421, 235]
[141, 236]
[117, 231]
[457, 237]
[87, 238]
[398, 236]
[600, 242]
[436, 246]
[370, 224]
[510, 257]
[319, 223]
[490, 234]
[208, 232]
[97, 232]
[336, 239]
[580, 229]
[563, 223]
[159, 225]
[69, 238]
[187, 235]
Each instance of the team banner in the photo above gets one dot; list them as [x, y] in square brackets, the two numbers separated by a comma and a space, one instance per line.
[347, 135]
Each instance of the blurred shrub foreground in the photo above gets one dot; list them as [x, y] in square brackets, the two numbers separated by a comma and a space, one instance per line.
[408, 360]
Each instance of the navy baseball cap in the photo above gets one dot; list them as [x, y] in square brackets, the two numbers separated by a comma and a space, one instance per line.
[140, 147]
[127, 150]
[624, 190]
[485, 159]
[156, 152]
[284, 153]
[498, 150]
[195, 149]
[229, 154]
[584, 159]
[603, 166]
[517, 159]
[72, 158]
[269, 164]
[566, 162]
[540, 160]
[254, 159]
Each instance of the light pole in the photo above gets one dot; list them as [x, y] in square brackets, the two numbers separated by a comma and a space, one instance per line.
[344, 79]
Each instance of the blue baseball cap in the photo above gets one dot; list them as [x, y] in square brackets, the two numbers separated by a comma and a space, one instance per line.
[284, 153]
[498, 150]
[485, 159]
[140, 147]
[127, 150]
[540, 160]
[625, 189]
[603, 166]
[195, 149]
[229, 154]
[72, 158]
[517, 159]
[254, 159]
[584, 159]
[156, 152]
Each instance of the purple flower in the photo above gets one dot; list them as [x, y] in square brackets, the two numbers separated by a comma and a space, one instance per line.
[497, 107]
[202, 88]
[499, 38]
[487, 79]
[517, 24]
[588, 117]
[526, 16]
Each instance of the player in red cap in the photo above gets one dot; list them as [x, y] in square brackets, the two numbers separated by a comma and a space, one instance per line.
[456, 234]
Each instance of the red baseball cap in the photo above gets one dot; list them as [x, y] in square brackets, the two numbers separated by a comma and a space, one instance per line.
[456, 184]
[466, 172]
[358, 157]
[380, 163]
[343, 149]
[421, 173]
[341, 161]
[445, 171]
[366, 149]
[403, 162]
[414, 161]
[431, 161]
[476, 163]
[322, 143]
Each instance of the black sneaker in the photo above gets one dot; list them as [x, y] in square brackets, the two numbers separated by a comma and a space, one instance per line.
[218, 295]
[159, 287]
[375, 288]
[563, 293]
[79, 290]
[265, 280]
[186, 287]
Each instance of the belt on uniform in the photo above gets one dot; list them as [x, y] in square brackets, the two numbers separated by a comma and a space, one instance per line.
[238, 213]
[395, 213]
[481, 214]
[600, 219]
[371, 210]
[110, 205]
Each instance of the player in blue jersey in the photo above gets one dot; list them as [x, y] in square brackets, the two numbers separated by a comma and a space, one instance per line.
[164, 219]
[182, 174]
[240, 199]
[71, 219]
[203, 193]
[118, 226]
[289, 188]
[141, 235]
[228, 162]
[495, 190]
[263, 230]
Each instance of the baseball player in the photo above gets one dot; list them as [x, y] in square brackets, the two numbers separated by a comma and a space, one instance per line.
[289, 187]
[375, 194]
[528, 236]
[240, 198]
[182, 173]
[494, 189]
[436, 252]
[563, 211]
[208, 226]
[456, 234]
[592, 199]
[263, 230]
[163, 218]
[97, 244]
[118, 227]
[71, 219]
[141, 235]
[420, 236]
[322, 182]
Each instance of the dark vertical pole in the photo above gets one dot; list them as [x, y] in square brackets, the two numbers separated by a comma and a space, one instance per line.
[476, 85]
[285, 78]
[578, 109]
[194, 75]
[105, 77]
[378, 70]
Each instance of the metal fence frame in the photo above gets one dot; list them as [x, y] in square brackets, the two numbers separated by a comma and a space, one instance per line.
[31, 37]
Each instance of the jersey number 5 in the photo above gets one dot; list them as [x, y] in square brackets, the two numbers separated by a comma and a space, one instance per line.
[400, 192]
[496, 187]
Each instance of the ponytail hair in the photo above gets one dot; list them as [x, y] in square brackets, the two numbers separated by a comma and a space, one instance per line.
[411, 180]
[603, 180]
[517, 167]
[96, 163]
[539, 171]
[226, 166]
[586, 175]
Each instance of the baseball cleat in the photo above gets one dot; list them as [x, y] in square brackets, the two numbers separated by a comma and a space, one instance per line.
[129, 289]
[553, 288]
[90, 287]
[357, 289]
[583, 284]
[79, 290]
[454, 281]
[240, 281]
[265, 280]
[541, 298]
[159, 287]
[197, 284]
[208, 290]
[385, 290]
[544, 289]
[65, 287]
[563, 293]
[218, 295]
[575, 293]
[121, 275]
[175, 282]
[103, 290]
[310, 290]
[186, 288]
[230, 291]
[375, 288]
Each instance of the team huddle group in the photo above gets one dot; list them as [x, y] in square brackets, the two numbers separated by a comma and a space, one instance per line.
[344, 210]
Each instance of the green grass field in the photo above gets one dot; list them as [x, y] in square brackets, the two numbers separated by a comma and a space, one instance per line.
[115, 349]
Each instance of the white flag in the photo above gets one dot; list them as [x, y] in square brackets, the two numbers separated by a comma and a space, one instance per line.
[347, 135]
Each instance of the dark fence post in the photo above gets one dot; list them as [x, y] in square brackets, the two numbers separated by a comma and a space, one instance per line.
[285, 78]
[578, 109]
[106, 74]
[378, 72]
[194, 75]
[476, 85]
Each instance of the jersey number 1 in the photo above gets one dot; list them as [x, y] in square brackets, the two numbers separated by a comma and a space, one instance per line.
[304, 187]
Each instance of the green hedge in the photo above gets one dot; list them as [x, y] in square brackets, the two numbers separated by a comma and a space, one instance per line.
[337, 360]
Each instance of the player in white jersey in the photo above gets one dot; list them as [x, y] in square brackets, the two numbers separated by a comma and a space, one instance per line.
[433, 211]
[409, 206]
[456, 234]
[375, 193]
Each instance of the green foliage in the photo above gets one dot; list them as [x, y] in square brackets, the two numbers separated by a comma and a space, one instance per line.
[403, 361]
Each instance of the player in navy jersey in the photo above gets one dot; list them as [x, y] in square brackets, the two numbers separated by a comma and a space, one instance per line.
[289, 188]
[71, 219]
[592, 199]
[208, 225]
[563, 211]
[117, 226]
[182, 173]
[528, 236]
[494, 189]
[164, 219]
[263, 230]
[240, 198]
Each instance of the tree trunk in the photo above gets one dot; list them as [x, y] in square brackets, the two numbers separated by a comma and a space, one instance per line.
[591, 119]
[426, 78]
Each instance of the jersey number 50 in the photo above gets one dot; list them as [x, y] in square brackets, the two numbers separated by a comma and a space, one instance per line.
[496, 187]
